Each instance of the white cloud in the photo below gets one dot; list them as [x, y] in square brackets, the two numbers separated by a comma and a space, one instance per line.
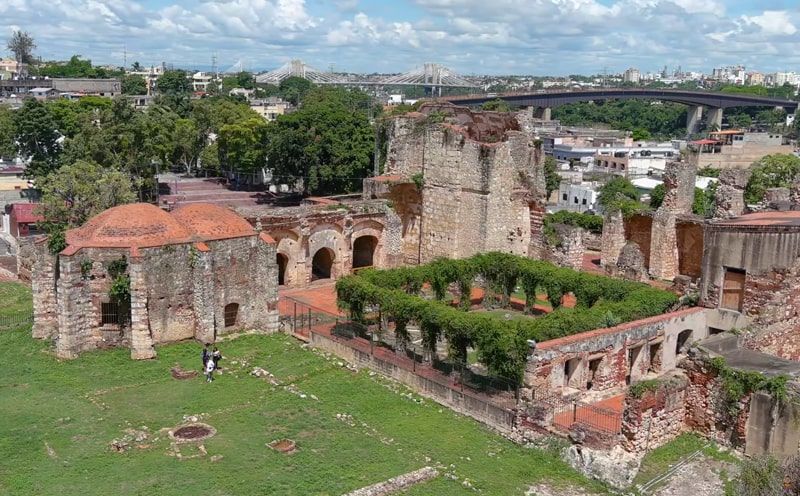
[773, 22]
[499, 36]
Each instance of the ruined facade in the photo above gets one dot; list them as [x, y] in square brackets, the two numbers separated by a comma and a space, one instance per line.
[198, 272]
[325, 242]
[670, 239]
[463, 182]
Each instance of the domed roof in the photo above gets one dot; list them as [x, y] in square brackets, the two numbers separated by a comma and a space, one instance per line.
[208, 221]
[129, 226]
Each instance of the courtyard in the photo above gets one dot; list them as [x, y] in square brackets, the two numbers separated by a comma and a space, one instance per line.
[100, 424]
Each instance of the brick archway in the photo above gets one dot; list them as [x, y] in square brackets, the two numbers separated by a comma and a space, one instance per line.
[364, 248]
[283, 262]
[322, 264]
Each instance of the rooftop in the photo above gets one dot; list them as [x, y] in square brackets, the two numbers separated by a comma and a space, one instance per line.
[789, 218]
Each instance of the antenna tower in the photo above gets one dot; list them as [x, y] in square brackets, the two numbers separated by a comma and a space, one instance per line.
[214, 64]
[124, 57]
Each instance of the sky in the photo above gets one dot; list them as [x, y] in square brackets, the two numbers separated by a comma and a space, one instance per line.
[470, 37]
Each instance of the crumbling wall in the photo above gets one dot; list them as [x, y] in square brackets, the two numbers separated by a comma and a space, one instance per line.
[679, 184]
[480, 176]
[729, 200]
[565, 246]
[612, 240]
[656, 416]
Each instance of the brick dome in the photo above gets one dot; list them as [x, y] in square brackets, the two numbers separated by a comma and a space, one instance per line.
[208, 221]
[135, 225]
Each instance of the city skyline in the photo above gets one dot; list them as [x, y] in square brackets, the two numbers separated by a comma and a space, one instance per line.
[507, 37]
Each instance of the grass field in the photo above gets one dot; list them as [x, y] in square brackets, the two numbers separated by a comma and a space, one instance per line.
[59, 418]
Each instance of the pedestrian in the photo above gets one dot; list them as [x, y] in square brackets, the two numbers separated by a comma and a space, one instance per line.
[206, 356]
[210, 370]
[216, 355]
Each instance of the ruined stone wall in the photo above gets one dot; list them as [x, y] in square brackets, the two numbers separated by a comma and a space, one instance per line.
[657, 416]
[729, 198]
[612, 240]
[302, 231]
[36, 264]
[566, 249]
[28, 256]
[707, 409]
[606, 357]
[481, 176]
[168, 273]
[245, 272]
[83, 286]
[772, 301]
[679, 183]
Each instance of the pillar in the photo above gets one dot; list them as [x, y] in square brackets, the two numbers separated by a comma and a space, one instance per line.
[142, 344]
[543, 113]
[714, 118]
[693, 117]
[203, 289]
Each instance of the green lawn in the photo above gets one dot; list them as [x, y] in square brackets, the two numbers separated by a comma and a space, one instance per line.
[15, 298]
[59, 418]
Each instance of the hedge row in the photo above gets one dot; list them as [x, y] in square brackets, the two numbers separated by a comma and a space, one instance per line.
[501, 344]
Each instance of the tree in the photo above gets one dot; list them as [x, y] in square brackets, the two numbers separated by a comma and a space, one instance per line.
[640, 134]
[293, 89]
[327, 145]
[8, 148]
[497, 105]
[551, 178]
[174, 82]
[188, 143]
[133, 84]
[75, 193]
[619, 189]
[241, 146]
[657, 196]
[772, 171]
[21, 44]
[37, 138]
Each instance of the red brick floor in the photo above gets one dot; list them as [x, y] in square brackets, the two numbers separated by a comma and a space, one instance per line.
[321, 296]
[605, 415]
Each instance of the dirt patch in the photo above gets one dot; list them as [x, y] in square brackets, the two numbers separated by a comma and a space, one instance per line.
[285, 446]
[192, 432]
[181, 374]
[706, 477]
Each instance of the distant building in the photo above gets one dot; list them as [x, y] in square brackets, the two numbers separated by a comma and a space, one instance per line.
[755, 79]
[43, 93]
[270, 108]
[201, 81]
[631, 76]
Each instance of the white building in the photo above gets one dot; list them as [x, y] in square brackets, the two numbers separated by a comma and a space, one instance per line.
[577, 197]
[631, 76]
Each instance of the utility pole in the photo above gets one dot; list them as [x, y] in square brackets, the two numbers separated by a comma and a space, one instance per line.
[124, 57]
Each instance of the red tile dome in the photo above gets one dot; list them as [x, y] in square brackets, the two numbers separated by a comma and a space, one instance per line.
[208, 221]
[135, 225]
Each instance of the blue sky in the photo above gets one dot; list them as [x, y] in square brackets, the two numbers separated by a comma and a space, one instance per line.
[538, 37]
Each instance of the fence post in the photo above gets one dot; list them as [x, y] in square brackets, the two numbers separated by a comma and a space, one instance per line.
[294, 324]
[414, 358]
[574, 410]
[309, 319]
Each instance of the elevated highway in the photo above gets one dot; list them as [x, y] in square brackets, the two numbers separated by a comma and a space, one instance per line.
[713, 101]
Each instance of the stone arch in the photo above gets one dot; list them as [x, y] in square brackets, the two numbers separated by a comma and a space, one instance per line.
[332, 240]
[372, 232]
[288, 245]
[322, 264]
[283, 262]
[364, 248]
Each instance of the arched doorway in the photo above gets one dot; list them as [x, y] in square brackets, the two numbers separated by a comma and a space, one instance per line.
[683, 341]
[364, 251]
[321, 264]
[283, 261]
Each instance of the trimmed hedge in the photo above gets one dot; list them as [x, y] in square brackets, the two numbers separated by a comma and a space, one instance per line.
[501, 344]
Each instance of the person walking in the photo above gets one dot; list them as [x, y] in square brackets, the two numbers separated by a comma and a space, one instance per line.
[210, 370]
[206, 356]
[216, 355]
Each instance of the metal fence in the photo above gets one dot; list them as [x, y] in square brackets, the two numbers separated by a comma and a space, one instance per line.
[570, 411]
[15, 319]
[299, 319]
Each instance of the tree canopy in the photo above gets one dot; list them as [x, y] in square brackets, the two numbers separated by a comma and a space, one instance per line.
[772, 171]
[618, 192]
[659, 119]
[37, 137]
[21, 44]
[327, 145]
[75, 193]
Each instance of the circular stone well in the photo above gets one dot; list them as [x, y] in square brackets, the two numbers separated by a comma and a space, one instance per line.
[192, 432]
[283, 445]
